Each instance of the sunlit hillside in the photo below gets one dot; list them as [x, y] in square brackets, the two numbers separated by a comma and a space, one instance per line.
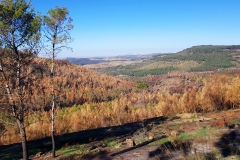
[194, 59]
[77, 85]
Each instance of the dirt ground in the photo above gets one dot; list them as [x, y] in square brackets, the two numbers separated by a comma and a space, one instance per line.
[197, 136]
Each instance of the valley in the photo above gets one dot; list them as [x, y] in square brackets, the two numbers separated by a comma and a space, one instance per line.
[115, 92]
[119, 80]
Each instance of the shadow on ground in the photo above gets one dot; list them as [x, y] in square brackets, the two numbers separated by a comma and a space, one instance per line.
[168, 150]
[13, 151]
[229, 143]
[228, 146]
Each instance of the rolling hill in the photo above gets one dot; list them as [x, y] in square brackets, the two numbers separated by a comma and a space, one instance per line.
[76, 85]
[193, 59]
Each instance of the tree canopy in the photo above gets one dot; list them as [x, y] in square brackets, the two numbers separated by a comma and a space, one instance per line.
[19, 25]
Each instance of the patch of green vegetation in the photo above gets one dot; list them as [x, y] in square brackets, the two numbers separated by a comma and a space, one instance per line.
[141, 86]
[184, 136]
[140, 140]
[74, 149]
[70, 151]
[201, 133]
[63, 112]
[161, 141]
[110, 143]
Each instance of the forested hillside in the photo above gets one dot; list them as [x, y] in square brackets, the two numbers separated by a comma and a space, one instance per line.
[77, 85]
[196, 58]
[208, 57]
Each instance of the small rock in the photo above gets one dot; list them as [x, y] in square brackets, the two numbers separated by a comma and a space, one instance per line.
[174, 134]
[130, 142]
[38, 154]
[181, 128]
[149, 134]
[235, 126]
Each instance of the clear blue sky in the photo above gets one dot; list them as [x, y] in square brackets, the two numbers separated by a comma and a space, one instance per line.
[120, 27]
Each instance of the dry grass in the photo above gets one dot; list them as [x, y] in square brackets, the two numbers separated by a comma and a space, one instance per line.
[218, 92]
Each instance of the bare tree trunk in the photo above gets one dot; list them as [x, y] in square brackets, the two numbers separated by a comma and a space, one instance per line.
[19, 119]
[23, 138]
[53, 104]
[53, 127]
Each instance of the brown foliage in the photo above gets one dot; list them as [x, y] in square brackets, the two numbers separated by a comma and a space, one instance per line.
[77, 85]
[216, 93]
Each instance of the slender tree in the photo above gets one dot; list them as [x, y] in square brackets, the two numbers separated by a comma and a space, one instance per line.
[57, 26]
[19, 36]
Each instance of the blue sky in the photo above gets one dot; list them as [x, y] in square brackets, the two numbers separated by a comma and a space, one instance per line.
[120, 27]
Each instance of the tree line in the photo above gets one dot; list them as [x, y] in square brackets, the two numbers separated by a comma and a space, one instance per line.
[206, 49]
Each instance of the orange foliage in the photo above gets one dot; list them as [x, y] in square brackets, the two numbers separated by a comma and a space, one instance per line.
[222, 123]
[99, 108]
[76, 85]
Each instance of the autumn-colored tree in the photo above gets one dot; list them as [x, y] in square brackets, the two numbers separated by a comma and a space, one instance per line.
[57, 26]
[19, 36]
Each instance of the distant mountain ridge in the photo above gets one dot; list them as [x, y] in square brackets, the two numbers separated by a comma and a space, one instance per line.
[97, 60]
[209, 49]
[85, 61]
